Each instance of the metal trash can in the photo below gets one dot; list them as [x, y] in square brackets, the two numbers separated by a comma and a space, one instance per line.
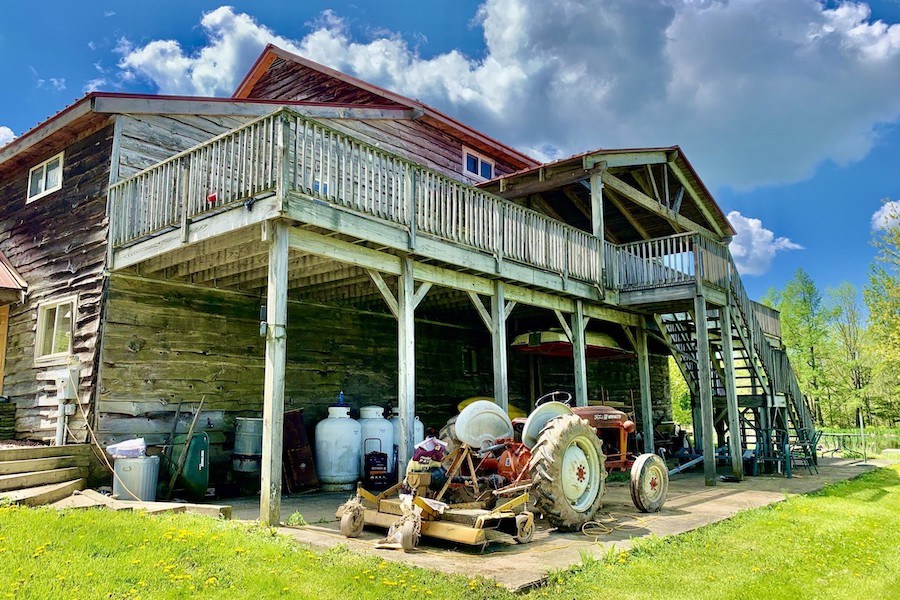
[139, 475]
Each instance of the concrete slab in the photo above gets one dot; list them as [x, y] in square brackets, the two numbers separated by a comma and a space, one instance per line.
[690, 505]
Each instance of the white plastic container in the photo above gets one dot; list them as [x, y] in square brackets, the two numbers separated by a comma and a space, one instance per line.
[418, 436]
[377, 433]
[139, 475]
[338, 450]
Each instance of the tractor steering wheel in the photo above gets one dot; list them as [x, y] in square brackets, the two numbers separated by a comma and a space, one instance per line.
[557, 396]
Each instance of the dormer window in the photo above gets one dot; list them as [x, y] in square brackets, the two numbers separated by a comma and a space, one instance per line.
[477, 166]
[45, 178]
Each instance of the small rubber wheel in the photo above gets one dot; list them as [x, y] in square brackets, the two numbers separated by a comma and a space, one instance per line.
[409, 539]
[352, 523]
[524, 527]
[649, 483]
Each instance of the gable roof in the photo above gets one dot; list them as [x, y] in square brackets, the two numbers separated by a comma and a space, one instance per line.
[578, 166]
[362, 92]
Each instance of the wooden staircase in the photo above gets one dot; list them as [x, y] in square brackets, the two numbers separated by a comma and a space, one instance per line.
[37, 475]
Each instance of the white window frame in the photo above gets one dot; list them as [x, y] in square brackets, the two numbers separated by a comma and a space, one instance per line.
[466, 152]
[41, 330]
[31, 198]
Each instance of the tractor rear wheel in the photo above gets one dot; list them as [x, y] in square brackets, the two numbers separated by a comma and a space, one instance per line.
[567, 471]
[649, 483]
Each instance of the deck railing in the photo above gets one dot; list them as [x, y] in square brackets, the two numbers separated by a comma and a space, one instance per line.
[341, 170]
[769, 318]
[673, 260]
[287, 149]
[209, 178]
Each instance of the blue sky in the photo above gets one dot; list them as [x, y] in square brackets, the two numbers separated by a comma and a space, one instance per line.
[788, 109]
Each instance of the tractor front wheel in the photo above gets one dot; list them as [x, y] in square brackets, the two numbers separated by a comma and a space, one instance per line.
[567, 471]
[649, 483]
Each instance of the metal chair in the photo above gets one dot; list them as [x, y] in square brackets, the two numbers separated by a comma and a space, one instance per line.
[803, 449]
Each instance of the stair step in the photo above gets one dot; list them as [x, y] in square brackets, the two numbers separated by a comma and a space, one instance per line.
[26, 465]
[20, 481]
[44, 494]
[26, 452]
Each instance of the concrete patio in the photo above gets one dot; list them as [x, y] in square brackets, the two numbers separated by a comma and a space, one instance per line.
[691, 505]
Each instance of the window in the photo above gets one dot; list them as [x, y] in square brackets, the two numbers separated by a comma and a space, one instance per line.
[54, 329]
[477, 166]
[45, 178]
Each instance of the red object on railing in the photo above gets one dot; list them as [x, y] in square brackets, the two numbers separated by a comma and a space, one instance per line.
[212, 198]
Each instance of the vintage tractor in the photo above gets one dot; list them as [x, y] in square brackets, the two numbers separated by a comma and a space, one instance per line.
[560, 454]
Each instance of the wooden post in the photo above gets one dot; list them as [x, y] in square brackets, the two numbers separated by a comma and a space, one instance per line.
[406, 363]
[734, 417]
[705, 387]
[646, 399]
[597, 205]
[273, 393]
[579, 354]
[498, 339]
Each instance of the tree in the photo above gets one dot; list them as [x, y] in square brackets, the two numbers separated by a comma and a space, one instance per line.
[882, 296]
[848, 367]
[804, 326]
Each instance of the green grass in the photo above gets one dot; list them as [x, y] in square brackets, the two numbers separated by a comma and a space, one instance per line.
[843, 542]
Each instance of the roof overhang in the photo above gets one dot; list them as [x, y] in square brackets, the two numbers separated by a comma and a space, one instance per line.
[580, 167]
[12, 286]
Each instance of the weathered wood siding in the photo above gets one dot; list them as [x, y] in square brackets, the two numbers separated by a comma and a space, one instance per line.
[165, 343]
[58, 245]
[412, 139]
[149, 139]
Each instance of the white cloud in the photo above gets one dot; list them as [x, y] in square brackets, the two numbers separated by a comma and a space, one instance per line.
[887, 216]
[6, 135]
[93, 85]
[756, 92]
[754, 247]
[235, 40]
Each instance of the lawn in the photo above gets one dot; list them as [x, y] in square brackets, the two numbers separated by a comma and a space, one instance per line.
[843, 542]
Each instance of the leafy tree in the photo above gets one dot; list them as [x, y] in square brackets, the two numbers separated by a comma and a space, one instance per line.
[848, 366]
[882, 296]
[804, 325]
[681, 396]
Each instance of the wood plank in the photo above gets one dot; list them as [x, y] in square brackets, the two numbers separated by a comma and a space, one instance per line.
[44, 494]
[579, 354]
[19, 481]
[701, 205]
[33, 452]
[27, 465]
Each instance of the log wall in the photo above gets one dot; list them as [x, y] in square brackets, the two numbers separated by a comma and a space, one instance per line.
[58, 245]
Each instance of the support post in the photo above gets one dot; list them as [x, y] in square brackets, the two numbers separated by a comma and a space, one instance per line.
[705, 387]
[646, 399]
[498, 339]
[597, 205]
[273, 391]
[406, 363]
[579, 353]
[731, 402]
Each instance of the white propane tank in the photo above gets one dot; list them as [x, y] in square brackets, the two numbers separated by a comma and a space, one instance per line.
[377, 433]
[418, 436]
[338, 450]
